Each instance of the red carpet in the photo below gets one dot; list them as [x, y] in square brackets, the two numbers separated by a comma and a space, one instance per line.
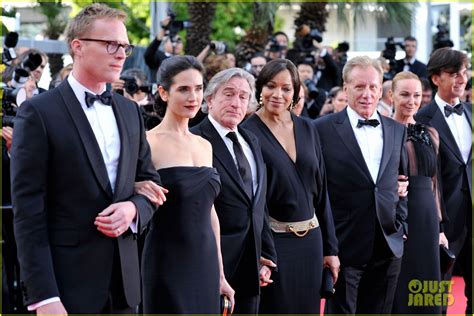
[459, 306]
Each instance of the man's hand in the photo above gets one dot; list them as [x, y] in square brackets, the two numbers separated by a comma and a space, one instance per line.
[402, 186]
[332, 262]
[55, 308]
[7, 134]
[116, 219]
[152, 191]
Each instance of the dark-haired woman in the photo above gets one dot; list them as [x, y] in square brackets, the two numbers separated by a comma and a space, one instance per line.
[298, 205]
[182, 268]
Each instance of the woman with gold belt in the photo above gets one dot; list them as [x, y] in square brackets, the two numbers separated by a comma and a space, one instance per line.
[297, 201]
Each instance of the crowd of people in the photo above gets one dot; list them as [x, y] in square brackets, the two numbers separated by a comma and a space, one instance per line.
[247, 186]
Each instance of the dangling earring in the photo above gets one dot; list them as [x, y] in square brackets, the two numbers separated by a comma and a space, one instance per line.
[292, 106]
[260, 102]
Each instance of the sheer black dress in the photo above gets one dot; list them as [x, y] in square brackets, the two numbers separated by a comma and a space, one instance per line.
[425, 216]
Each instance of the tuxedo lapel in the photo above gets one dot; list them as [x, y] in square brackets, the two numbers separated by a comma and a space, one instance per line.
[438, 121]
[388, 137]
[468, 112]
[221, 153]
[86, 135]
[343, 128]
[252, 141]
[124, 147]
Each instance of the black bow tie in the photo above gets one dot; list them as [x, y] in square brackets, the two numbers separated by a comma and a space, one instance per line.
[105, 98]
[448, 109]
[373, 123]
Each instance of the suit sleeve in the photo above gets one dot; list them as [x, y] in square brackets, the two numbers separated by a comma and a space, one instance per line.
[145, 171]
[402, 206]
[268, 246]
[29, 169]
[322, 205]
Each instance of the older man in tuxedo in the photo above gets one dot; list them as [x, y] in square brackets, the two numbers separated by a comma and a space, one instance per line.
[246, 242]
[77, 152]
[447, 69]
[363, 153]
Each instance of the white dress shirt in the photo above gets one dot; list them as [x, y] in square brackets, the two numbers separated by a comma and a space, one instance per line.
[223, 131]
[370, 140]
[104, 125]
[459, 126]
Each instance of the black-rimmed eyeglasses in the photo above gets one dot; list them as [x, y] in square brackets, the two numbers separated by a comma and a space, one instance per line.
[112, 46]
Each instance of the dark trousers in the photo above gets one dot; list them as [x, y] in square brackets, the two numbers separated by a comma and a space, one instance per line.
[369, 289]
[245, 304]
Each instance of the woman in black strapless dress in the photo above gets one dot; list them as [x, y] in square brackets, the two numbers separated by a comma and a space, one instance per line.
[425, 212]
[181, 262]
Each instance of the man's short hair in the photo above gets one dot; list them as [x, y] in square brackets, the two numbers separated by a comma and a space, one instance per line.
[410, 38]
[362, 62]
[446, 60]
[82, 22]
[222, 77]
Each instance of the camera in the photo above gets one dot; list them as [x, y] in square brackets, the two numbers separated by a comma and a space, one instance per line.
[175, 26]
[313, 91]
[389, 54]
[305, 37]
[130, 85]
[275, 47]
[8, 54]
[218, 47]
[441, 38]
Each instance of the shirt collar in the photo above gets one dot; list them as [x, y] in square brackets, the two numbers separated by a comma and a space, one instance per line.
[223, 131]
[354, 117]
[441, 103]
[80, 90]
[411, 61]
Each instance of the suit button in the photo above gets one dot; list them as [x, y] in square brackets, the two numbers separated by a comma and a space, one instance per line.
[376, 189]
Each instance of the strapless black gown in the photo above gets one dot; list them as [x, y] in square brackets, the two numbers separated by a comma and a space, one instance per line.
[180, 271]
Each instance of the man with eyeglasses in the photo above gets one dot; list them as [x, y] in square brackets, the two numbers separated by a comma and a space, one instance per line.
[77, 151]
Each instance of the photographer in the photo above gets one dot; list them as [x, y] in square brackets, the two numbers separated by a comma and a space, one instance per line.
[166, 44]
[410, 63]
[316, 97]
[277, 47]
[133, 84]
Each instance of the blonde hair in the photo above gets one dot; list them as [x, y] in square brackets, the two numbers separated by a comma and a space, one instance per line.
[404, 75]
[362, 62]
[82, 22]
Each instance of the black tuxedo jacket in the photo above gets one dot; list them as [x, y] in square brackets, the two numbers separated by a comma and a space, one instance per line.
[418, 68]
[456, 175]
[358, 204]
[245, 234]
[59, 185]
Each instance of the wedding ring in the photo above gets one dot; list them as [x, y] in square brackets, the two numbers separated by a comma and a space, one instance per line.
[118, 230]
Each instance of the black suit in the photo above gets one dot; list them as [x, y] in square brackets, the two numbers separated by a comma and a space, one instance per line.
[369, 217]
[245, 234]
[456, 178]
[59, 185]
[418, 68]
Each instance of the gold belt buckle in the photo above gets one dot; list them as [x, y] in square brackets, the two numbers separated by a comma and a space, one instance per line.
[311, 225]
